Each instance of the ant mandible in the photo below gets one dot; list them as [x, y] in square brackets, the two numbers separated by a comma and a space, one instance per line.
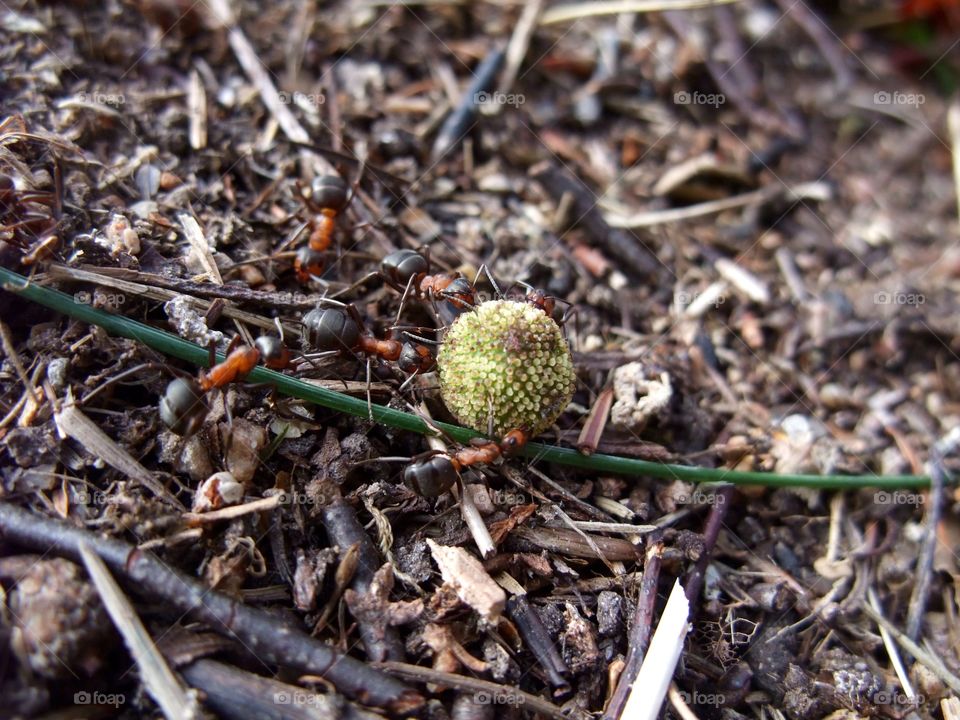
[328, 197]
[183, 407]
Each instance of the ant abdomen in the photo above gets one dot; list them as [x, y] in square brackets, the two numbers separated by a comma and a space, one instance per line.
[331, 328]
[329, 191]
[431, 477]
[402, 265]
[183, 407]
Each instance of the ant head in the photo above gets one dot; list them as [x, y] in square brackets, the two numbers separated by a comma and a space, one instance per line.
[460, 293]
[329, 191]
[431, 477]
[272, 351]
[183, 407]
[309, 263]
[538, 298]
[415, 358]
[513, 441]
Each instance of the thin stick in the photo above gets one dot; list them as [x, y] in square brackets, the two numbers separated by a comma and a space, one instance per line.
[711, 531]
[11, 352]
[921, 589]
[344, 529]
[518, 46]
[234, 511]
[538, 641]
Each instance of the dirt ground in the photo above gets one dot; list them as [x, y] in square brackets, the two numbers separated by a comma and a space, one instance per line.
[748, 217]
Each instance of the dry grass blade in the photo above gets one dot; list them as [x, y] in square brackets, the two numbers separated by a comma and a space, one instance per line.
[578, 11]
[655, 674]
[174, 700]
[73, 423]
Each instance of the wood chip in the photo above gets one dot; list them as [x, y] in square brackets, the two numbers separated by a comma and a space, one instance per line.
[470, 580]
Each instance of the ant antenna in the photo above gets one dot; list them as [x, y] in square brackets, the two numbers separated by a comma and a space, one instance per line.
[486, 271]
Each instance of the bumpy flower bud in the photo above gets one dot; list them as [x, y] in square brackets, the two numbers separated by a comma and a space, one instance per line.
[507, 365]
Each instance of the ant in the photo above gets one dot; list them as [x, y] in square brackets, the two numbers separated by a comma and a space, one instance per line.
[328, 197]
[183, 407]
[434, 475]
[409, 271]
[341, 329]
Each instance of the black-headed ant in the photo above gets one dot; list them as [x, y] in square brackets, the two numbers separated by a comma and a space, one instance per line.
[183, 407]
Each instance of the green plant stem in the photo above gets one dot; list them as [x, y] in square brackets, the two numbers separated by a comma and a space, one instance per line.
[177, 347]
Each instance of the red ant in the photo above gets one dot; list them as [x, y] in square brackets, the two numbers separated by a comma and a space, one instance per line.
[183, 407]
[434, 475]
[341, 329]
[327, 198]
[409, 271]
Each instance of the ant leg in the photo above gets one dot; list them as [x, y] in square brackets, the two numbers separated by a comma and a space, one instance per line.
[403, 298]
[356, 183]
[408, 381]
[353, 286]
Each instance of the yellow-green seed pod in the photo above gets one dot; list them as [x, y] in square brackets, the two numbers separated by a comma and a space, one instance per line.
[507, 365]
